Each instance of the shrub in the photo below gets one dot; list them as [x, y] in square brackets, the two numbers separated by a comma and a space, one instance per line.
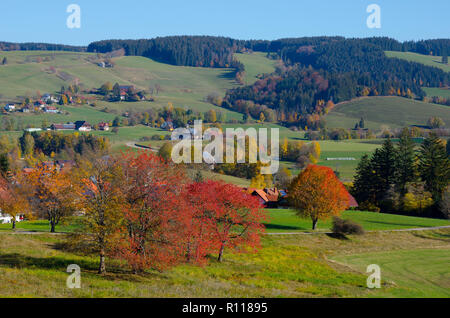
[341, 226]
[368, 206]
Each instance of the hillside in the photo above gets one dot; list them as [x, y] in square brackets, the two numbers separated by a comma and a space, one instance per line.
[395, 112]
[255, 64]
[30, 71]
[429, 60]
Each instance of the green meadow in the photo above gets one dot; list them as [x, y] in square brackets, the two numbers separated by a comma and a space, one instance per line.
[392, 112]
[429, 60]
[255, 63]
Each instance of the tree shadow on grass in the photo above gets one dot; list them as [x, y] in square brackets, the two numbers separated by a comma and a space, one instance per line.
[21, 261]
[338, 236]
[282, 227]
[400, 224]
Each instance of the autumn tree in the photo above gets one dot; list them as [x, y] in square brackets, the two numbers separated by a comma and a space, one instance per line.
[155, 215]
[317, 193]
[54, 195]
[13, 198]
[224, 217]
[99, 185]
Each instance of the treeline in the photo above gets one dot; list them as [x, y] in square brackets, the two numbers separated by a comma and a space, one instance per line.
[9, 46]
[65, 146]
[404, 179]
[206, 51]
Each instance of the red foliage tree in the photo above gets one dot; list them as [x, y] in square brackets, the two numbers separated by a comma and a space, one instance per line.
[156, 216]
[222, 215]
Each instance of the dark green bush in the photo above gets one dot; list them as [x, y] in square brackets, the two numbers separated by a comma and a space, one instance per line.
[341, 226]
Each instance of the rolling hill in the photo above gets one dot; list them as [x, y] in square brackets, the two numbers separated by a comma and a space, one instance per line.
[429, 60]
[395, 112]
[30, 71]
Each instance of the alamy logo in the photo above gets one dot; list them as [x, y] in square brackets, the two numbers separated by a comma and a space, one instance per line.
[74, 19]
[374, 19]
[74, 279]
[374, 279]
[235, 146]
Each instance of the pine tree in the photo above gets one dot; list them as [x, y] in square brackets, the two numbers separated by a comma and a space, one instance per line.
[383, 163]
[405, 169]
[362, 186]
[434, 166]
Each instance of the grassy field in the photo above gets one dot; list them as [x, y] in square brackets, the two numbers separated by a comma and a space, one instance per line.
[280, 221]
[255, 64]
[183, 86]
[394, 112]
[436, 91]
[422, 272]
[286, 266]
[429, 60]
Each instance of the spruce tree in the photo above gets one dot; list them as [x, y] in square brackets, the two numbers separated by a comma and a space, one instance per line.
[405, 169]
[383, 164]
[362, 186]
[434, 166]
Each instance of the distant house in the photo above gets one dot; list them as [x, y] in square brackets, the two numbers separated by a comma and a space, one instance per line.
[10, 107]
[69, 126]
[49, 98]
[270, 198]
[101, 64]
[83, 126]
[39, 103]
[25, 109]
[51, 109]
[103, 126]
[32, 129]
[6, 218]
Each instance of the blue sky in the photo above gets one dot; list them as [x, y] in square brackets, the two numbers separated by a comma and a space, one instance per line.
[45, 20]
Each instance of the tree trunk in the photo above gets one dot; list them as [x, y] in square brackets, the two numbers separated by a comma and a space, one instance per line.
[102, 266]
[314, 224]
[222, 247]
[13, 223]
[52, 227]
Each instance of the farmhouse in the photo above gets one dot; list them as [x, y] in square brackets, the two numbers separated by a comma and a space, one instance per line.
[39, 103]
[103, 126]
[83, 126]
[10, 107]
[51, 109]
[270, 198]
[69, 126]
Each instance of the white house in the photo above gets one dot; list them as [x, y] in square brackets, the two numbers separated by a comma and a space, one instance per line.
[6, 218]
[10, 107]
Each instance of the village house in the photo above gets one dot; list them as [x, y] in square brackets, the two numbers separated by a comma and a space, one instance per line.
[103, 126]
[82, 125]
[167, 125]
[69, 126]
[40, 104]
[51, 109]
[47, 98]
[10, 107]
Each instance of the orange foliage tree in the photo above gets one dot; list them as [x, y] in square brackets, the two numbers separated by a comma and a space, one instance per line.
[317, 193]
[54, 194]
[13, 198]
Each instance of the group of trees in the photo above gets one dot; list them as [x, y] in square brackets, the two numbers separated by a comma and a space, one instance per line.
[66, 146]
[400, 178]
[206, 51]
[113, 92]
[301, 153]
[140, 209]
